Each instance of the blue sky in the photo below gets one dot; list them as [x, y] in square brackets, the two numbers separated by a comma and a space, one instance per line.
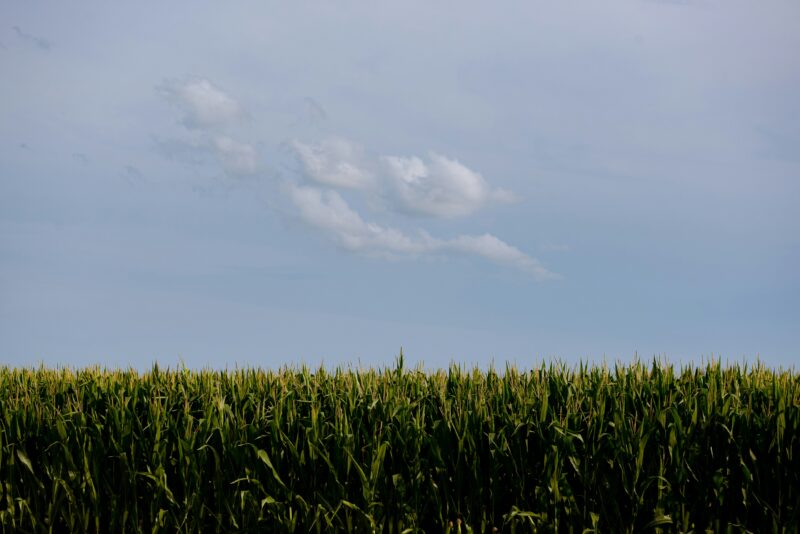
[265, 183]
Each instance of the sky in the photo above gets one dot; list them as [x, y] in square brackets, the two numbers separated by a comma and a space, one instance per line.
[322, 183]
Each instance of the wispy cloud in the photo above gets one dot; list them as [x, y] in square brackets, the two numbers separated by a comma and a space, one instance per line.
[208, 113]
[32, 40]
[438, 186]
[335, 162]
[435, 186]
[204, 105]
[498, 251]
[200, 148]
[328, 212]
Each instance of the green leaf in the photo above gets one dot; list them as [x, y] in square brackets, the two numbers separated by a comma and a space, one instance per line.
[25, 461]
[659, 522]
[264, 457]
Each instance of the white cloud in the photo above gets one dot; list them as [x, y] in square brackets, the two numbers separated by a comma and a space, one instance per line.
[442, 187]
[335, 162]
[207, 109]
[498, 251]
[436, 187]
[327, 211]
[204, 104]
[236, 157]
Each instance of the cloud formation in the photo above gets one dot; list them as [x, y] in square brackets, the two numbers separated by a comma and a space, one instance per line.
[327, 211]
[438, 187]
[335, 162]
[498, 251]
[207, 110]
[204, 104]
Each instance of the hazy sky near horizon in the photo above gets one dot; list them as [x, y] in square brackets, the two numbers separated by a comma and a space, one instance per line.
[270, 183]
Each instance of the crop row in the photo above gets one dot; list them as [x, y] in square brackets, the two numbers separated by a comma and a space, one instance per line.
[625, 449]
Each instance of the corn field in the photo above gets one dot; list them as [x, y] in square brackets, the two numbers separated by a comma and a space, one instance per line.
[633, 448]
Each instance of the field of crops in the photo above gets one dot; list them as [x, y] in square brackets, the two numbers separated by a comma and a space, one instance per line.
[624, 449]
